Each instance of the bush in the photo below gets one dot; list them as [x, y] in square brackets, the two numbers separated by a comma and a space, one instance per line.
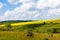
[53, 30]
[44, 23]
[56, 30]
[30, 33]
[3, 29]
[51, 22]
[8, 26]
[33, 26]
[46, 39]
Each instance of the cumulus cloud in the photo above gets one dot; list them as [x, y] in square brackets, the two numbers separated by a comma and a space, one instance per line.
[47, 3]
[15, 2]
[36, 15]
[38, 3]
[29, 9]
[54, 11]
[1, 5]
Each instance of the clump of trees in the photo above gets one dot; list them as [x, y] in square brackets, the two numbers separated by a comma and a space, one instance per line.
[54, 30]
[44, 23]
[8, 27]
[30, 33]
[32, 26]
[46, 39]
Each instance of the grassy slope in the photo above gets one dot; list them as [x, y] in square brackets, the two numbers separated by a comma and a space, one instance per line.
[38, 25]
[13, 35]
[9, 35]
[36, 22]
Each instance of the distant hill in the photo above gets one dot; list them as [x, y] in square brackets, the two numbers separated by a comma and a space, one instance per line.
[14, 21]
[36, 25]
[41, 29]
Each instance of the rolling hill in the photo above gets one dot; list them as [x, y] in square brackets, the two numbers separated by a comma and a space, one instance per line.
[42, 30]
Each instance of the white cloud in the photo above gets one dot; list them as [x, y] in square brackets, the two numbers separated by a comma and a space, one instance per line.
[12, 15]
[1, 5]
[47, 3]
[36, 15]
[21, 1]
[32, 12]
[24, 1]
[6, 16]
[23, 15]
[39, 4]
[15, 2]
[2, 18]
[23, 10]
[54, 11]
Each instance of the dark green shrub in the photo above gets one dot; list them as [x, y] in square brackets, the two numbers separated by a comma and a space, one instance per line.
[53, 30]
[8, 26]
[32, 26]
[44, 23]
[3, 29]
[56, 30]
[30, 33]
[51, 22]
[46, 39]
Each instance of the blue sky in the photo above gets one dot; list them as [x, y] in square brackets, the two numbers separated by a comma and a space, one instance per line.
[29, 9]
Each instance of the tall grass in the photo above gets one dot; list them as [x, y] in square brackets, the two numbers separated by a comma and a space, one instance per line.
[9, 35]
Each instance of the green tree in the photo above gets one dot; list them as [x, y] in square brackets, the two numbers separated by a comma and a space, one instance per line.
[8, 25]
[54, 30]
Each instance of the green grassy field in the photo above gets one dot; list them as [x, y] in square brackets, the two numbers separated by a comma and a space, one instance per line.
[9, 35]
[42, 29]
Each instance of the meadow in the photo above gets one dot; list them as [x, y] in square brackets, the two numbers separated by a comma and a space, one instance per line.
[41, 29]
